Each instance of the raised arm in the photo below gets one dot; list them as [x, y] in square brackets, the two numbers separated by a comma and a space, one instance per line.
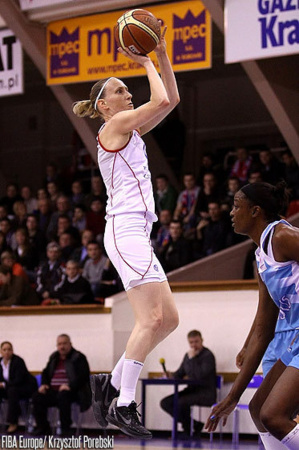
[263, 332]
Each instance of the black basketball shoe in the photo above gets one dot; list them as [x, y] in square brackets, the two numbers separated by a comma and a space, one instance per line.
[102, 395]
[127, 420]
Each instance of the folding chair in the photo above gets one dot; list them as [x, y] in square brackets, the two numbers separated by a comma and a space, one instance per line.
[254, 383]
[219, 383]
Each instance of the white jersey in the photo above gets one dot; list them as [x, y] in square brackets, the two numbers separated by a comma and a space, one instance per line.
[127, 178]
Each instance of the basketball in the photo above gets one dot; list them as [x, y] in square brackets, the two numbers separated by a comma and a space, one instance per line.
[139, 30]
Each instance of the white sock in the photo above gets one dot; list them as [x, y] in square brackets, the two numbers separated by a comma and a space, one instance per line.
[270, 442]
[129, 379]
[291, 440]
[117, 371]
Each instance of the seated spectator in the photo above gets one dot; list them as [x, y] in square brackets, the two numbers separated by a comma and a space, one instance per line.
[208, 166]
[209, 193]
[29, 200]
[95, 218]
[52, 174]
[64, 225]
[20, 215]
[67, 245]
[8, 259]
[163, 234]
[97, 191]
[79, 217]
[63, 208]
[26, 254]
[291, 174]
[95, 267]
[242, 165]
[42, 194]
[214, 233]
[43, 214]
[177, 252]
[198, 364]
[16, 383]
[73, 290]
[12, 195]
[15, 291]
[270, 168]
[53, 193]
[3, 212]
[50, 272]
[3, 243]
[186, 199]
[227, 201]
[77, 195]
[80, 253]
[7, 230]
[255, 176]
[65, 380]
[165, 194]
[36, 237]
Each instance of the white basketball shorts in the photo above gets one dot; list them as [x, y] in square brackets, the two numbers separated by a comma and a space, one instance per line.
[128, 246]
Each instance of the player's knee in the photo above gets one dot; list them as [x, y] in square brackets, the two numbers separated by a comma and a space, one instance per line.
[270, 419]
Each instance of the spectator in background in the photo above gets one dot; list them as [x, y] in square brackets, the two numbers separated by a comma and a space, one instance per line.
[186, 199]
[232, 187]
[65, 379]
[16, 383]
[163, 234]
[20, 215]
[3, 212]
[177, 252]
[242, 165]
[73, 289]
[94, 268]
[64, 225]
[95, 218]
[209, 193]
[208, 166]
[44, 214]
[3, 243]
[63, 208]
[77, 195]
[213, 233]
[198, 364]
[52, 175]
[15, 291]
[12, 195]
[255, 176]
[80, 254]
[7, 230]
[54, 193]
[30, 202]
[50, 272]
[97, 191]
[42, 194]
[26, 254]
[291, 174]
[165, 194]
[67, 245]
[8, 259]
[270, 168]
[36, 237]
[79, 217]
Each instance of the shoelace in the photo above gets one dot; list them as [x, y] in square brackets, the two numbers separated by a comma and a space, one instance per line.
[133, 411]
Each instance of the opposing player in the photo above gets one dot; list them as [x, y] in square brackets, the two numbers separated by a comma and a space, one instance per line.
[256, 214]
[130, 211]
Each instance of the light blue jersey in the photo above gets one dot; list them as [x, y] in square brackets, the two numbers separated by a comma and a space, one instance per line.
[282, 282]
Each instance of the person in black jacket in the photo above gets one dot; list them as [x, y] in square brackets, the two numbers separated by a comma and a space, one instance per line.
[65, 380]
[198, 364]
[16, 383]
[177, 252]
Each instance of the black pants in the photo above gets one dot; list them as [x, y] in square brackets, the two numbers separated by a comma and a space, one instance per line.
[62, 399]
[13, 395]
[186, 399]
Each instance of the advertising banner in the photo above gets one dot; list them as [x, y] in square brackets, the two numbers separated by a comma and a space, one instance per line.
[84, 48]
[32, 4]
[11, 64]
[256, 29]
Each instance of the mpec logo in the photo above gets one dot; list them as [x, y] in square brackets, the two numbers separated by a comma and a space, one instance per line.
[64, 53]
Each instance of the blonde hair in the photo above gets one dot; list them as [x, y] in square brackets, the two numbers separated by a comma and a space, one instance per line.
[85, 108]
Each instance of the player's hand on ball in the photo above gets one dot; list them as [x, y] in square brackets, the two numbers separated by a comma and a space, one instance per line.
[161, 47]
[140, 59]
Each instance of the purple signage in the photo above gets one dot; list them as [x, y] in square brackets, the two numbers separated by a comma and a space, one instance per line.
[189, 43]
[64, 53]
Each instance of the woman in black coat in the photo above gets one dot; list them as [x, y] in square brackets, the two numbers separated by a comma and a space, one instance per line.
[16, 383]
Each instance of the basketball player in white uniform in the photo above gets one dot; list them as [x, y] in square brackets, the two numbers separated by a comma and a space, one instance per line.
[130, 213]
[256, 214]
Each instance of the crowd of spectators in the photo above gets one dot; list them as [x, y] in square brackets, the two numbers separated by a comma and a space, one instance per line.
[53, 240]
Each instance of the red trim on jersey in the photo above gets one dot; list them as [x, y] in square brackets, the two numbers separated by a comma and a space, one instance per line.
[142, 275]
[138, 182]
[112, 151]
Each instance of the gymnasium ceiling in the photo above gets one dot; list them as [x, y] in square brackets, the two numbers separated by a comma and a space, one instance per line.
[275, 79]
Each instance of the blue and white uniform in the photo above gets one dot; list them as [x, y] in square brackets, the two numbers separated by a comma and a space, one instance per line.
[282, 282]
[130, 212]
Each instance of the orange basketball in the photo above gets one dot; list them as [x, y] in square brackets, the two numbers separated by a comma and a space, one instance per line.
[139, 30]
